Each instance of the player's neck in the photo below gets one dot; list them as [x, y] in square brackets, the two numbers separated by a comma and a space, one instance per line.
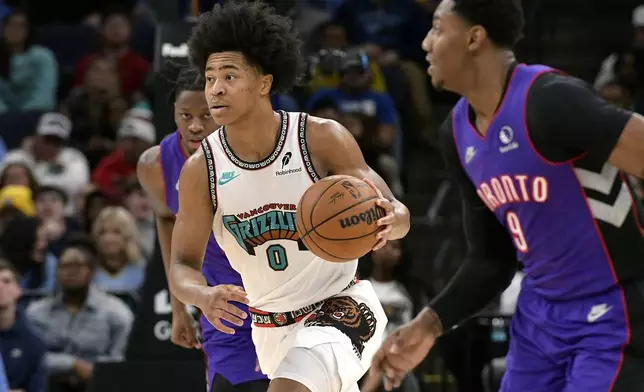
[253, 138]
[488, 83]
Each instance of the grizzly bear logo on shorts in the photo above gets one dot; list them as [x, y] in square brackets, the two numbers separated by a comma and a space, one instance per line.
[345, 314]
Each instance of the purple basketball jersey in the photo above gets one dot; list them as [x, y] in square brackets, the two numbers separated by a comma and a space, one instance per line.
[541, 204]
[232, 356]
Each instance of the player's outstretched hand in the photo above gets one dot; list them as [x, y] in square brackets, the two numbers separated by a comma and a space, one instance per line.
[403, 350]
[216, 306]
[387, 221]
[184, 332]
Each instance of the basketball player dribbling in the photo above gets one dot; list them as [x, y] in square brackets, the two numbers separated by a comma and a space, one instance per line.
[231, 358]
[537, 157]
[315, 327]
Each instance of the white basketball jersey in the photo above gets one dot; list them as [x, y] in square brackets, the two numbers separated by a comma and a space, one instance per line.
[255, 205]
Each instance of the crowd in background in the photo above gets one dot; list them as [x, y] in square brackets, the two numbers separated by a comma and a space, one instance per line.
[76, 228]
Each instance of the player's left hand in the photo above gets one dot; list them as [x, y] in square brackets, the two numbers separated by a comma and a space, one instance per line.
[386, 222]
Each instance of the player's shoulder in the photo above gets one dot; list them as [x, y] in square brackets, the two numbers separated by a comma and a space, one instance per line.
[150, 159]
[556, 86]
[324, 132]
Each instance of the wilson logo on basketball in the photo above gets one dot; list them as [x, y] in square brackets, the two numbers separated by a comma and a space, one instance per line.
[369, 216]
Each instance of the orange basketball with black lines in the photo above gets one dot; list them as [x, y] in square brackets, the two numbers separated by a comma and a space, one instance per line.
[336, 218]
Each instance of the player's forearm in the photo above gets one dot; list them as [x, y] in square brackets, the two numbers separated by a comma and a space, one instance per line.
[475, 284]
[164, 235]
[187, 283]
[403, 222]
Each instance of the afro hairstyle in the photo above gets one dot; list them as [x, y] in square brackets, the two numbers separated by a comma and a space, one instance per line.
[255, 30]
[503, 19]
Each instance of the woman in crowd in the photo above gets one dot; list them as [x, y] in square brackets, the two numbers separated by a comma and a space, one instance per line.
[28, 72]
[121, 260]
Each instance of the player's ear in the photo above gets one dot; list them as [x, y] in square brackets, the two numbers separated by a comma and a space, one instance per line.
[476, 36]
[266, 84]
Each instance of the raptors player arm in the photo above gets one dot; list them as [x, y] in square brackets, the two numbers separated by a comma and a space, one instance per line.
[334, 151]
[490, 262]
[150, 174]
[192, 230]
[567, 120]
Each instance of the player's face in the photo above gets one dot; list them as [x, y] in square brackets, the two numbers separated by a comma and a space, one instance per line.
[233, 86]
[446, 45]
[192, 116]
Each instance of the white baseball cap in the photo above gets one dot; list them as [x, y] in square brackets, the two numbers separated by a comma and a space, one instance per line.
[138, 128]
[54, 124]
[638, 16]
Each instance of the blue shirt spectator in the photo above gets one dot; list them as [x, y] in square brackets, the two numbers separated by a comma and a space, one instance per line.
[4, 385]
[284, 102]
[369, 102]
[397, 25]
[22, 351]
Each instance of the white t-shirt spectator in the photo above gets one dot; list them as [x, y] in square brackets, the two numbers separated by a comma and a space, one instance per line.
[68, 170]
[395, 301]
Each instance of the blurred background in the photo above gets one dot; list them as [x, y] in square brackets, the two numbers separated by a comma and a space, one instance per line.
[83, 93]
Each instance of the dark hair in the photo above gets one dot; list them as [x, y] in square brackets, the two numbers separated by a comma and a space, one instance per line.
[85, 244]
[90, 198]
[254, 29]
[33, 184]
[189, 79]
[5, 51]
[132, 185]
[5, 265]
[116, 10]
[503, 19]
[50, 189]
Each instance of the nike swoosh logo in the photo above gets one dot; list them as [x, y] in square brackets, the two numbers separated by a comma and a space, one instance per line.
[224, 181]
[594, 316]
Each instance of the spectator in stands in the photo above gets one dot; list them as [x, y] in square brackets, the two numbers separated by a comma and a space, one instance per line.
[326, 108]
[28, 72]
[18, 173]
[50, 208]
[96, 109]
[283, 101]
[53, 161]
[121, 263]
[19, 197]
[4, 384]
[607, 72]
[386, 28]
[400, 295]
[364, 129]
[81, 324]
[93, 203]
[355, 95]
[139, 205]
[616, 94]
[135, 135]
[22, 350]
[24, 243]
[132, 68]
[331, 40]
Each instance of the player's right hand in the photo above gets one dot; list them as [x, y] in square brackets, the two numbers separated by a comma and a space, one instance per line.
[215, 305]
[403, 350]
[184, 332]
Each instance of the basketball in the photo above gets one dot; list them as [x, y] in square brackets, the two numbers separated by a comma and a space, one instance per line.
[336, 218]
